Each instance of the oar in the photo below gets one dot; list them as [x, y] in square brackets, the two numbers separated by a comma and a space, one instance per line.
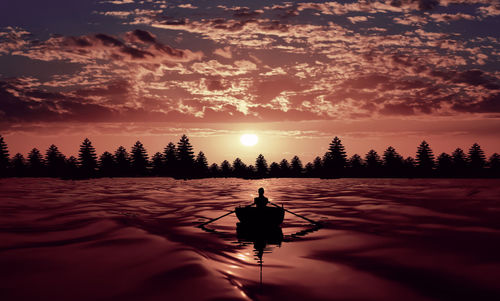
[309, 220]
[214, 219]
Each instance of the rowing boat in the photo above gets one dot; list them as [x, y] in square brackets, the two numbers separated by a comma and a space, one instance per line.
[260, 217]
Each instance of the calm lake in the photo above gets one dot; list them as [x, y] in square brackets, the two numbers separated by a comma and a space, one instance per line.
[136, 239]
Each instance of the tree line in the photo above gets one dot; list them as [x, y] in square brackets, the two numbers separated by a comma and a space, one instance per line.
[179, 161]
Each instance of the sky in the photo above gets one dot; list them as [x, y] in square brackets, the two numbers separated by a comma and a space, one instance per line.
[372, 72]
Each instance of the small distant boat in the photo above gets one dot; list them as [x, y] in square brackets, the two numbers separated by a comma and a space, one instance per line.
[260, 217]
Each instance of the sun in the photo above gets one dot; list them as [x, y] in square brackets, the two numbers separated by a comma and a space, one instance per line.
[249, 139]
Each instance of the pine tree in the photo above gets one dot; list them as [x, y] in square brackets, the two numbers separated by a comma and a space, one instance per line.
[494, 165]
[19, 165]
[373, 163]
[55, 161]
[4, 158]
[239, 168]
[318, 167]
[139, 159]
[356, 166]
[284, 168]
[87, 159]
[171, 160]
[296, 167]
[157, 162]
[476, 158]
[251, 172]
[309, 169]
[107, 164]
[201, 165]
[335, 160]
[122, 160]
[393, 162]
[459, 162]
[214, 170]
[225, 169]
[425, 159]
[274, 170]
[72, 170]
[409, 167]
[35, 163]
[261, 167]
[445, 165]
[186, 157]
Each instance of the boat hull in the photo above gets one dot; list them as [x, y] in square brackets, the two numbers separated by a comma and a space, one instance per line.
[269, 236]
[260, 217]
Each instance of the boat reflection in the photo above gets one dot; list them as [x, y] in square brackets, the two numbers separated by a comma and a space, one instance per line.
[259, 237]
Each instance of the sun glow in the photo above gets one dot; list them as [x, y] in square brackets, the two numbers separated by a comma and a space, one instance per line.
[249, 139]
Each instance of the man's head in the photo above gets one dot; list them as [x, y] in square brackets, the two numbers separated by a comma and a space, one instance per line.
[261, 191]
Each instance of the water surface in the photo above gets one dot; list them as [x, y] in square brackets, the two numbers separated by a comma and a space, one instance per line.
[135, 239]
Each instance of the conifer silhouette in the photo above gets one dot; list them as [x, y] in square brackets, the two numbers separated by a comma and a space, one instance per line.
[171, 160]
[251, 172]
[55, 162]
[261, 167]
[317, 167]
[445, 165]
[87, 159]
[36, 163]
[239, 168]
[158, 164]
[186, 158]
[122, 161]
[296, 167]
[409, 167]
[201, 165]
[19, 165]
[373, 163]
[459, 162]
[335, 160]
[284, 168]
[139, 159]
[72, 170]
[494, 165]
[225, 169]
[107, 165]
[309, 170]
[392, 162]
[476, 158]
[214, 170]
[425, 159]
[4, 158]
[274, 170]
[356, 166]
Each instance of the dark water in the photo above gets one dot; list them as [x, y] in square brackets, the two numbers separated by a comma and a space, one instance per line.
[135, 239]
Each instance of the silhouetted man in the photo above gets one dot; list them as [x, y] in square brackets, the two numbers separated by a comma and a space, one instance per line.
[261, 201]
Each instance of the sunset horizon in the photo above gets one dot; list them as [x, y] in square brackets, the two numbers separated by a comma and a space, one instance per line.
[217, 147]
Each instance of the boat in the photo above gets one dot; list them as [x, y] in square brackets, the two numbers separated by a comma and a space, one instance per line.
[265, 217]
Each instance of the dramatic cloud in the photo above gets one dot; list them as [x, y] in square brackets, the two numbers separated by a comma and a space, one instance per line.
[142, 47]
[297, 61]
[224, 52]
